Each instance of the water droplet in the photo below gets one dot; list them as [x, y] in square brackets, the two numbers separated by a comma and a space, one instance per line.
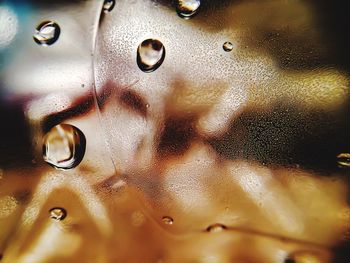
[302, 257]
[168, 220]
[228, 46]
[343, 160]
[150, 55]
[46, 33]
[64, 146]
[187, 8]
[58, 213]
[216, 228]
[108, 5]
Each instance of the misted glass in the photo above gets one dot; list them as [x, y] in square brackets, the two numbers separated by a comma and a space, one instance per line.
[174, 131]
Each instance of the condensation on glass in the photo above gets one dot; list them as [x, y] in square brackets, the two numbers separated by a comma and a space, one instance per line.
[188, 131]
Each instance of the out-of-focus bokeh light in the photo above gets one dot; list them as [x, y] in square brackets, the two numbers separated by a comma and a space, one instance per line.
[8, 26]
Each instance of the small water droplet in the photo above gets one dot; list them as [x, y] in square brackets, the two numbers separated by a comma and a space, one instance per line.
[216, 228]
[108, 5]
[228, 46]
[168, 220]
[187, 8]
[150, 55]
[302, 257]
[58, 213]
[64, 146]
[343, 160]
[47, 33]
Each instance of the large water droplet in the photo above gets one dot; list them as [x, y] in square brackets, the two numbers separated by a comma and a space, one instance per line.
[108, 5]
[58, 213]
[187, 8]
[167, 220]
[216, 228]
[64, 146]
[343, 160]
[47, 33]
[227, 46]
[150, 55]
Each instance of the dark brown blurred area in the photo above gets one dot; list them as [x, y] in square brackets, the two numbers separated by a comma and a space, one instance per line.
[15, 145]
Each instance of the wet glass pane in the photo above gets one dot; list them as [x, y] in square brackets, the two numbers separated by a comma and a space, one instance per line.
[174, 131]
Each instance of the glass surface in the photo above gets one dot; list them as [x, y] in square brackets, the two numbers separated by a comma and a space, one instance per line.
[174, 131]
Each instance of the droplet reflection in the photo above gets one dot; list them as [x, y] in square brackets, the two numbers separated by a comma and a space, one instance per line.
[216, 228]
[47, 33]
[167, 220]
[187, 8]
[58, 213]
[150, 55]
[343, 160]
[64, 146]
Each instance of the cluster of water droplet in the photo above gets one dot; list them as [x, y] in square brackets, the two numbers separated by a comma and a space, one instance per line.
[64, 145]
[151, 52]
[214, 228]
[297, 257]
[63, 148]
